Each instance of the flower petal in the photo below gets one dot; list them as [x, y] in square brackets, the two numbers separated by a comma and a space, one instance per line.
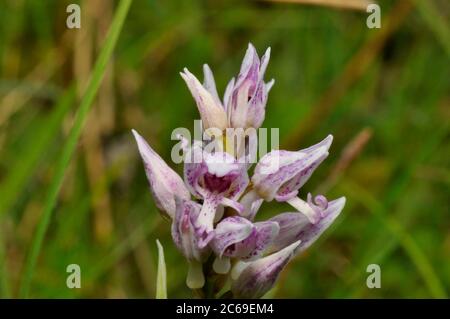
[296, 226]
[227, 95]
[251, 203]
[164, 182]
[259, 276]
[236, 237]
[246, 104]
[250, 66]
[209, 84]
[229, 231]
[183, 232]
[265, 233]
[279, 174]
[204, 223]
[212, 114]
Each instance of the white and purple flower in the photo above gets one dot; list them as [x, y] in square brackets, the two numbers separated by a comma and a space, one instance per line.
[214, 207]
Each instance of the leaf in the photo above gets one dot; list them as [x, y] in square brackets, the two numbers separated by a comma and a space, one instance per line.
[161, 277]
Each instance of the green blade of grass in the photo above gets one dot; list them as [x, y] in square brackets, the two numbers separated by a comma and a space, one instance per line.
[21, 170]
[161, 278]
[436, 22]
[69, 147]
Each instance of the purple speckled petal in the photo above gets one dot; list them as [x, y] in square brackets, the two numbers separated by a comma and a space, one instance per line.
[204, 223]
[296, 226]
[164, 182]
[252, 244]
[250, 66]
[247, 101]
[194, 169]
[256, 108]
[233, 204]
[258, 277]
[265, 232]
[257, 103]
[183, 232]
[211, 113]
[229, 231]
[279, 174]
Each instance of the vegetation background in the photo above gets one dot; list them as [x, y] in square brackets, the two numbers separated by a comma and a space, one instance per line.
[383, 93]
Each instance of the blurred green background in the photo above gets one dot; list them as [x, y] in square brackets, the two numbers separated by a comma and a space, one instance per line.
[383, 94]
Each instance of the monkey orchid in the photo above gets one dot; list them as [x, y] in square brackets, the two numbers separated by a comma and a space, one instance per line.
[213, 209]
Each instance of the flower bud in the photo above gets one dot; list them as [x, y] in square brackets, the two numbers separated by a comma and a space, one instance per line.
[258, 277]
[280, 174]
[246, 103]
[211, 112]
[164, 182]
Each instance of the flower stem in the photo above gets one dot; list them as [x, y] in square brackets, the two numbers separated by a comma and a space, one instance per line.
[303, 208]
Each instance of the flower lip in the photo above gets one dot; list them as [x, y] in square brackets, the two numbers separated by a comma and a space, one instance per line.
[221, 164]
[218, 184]
[221, 171]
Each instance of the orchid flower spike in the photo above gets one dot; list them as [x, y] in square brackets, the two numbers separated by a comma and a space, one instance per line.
[214, 207]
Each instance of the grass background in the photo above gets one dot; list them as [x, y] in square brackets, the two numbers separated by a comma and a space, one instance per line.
[383, 93]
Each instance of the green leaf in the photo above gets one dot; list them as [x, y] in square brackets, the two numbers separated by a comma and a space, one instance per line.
[161, 277]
